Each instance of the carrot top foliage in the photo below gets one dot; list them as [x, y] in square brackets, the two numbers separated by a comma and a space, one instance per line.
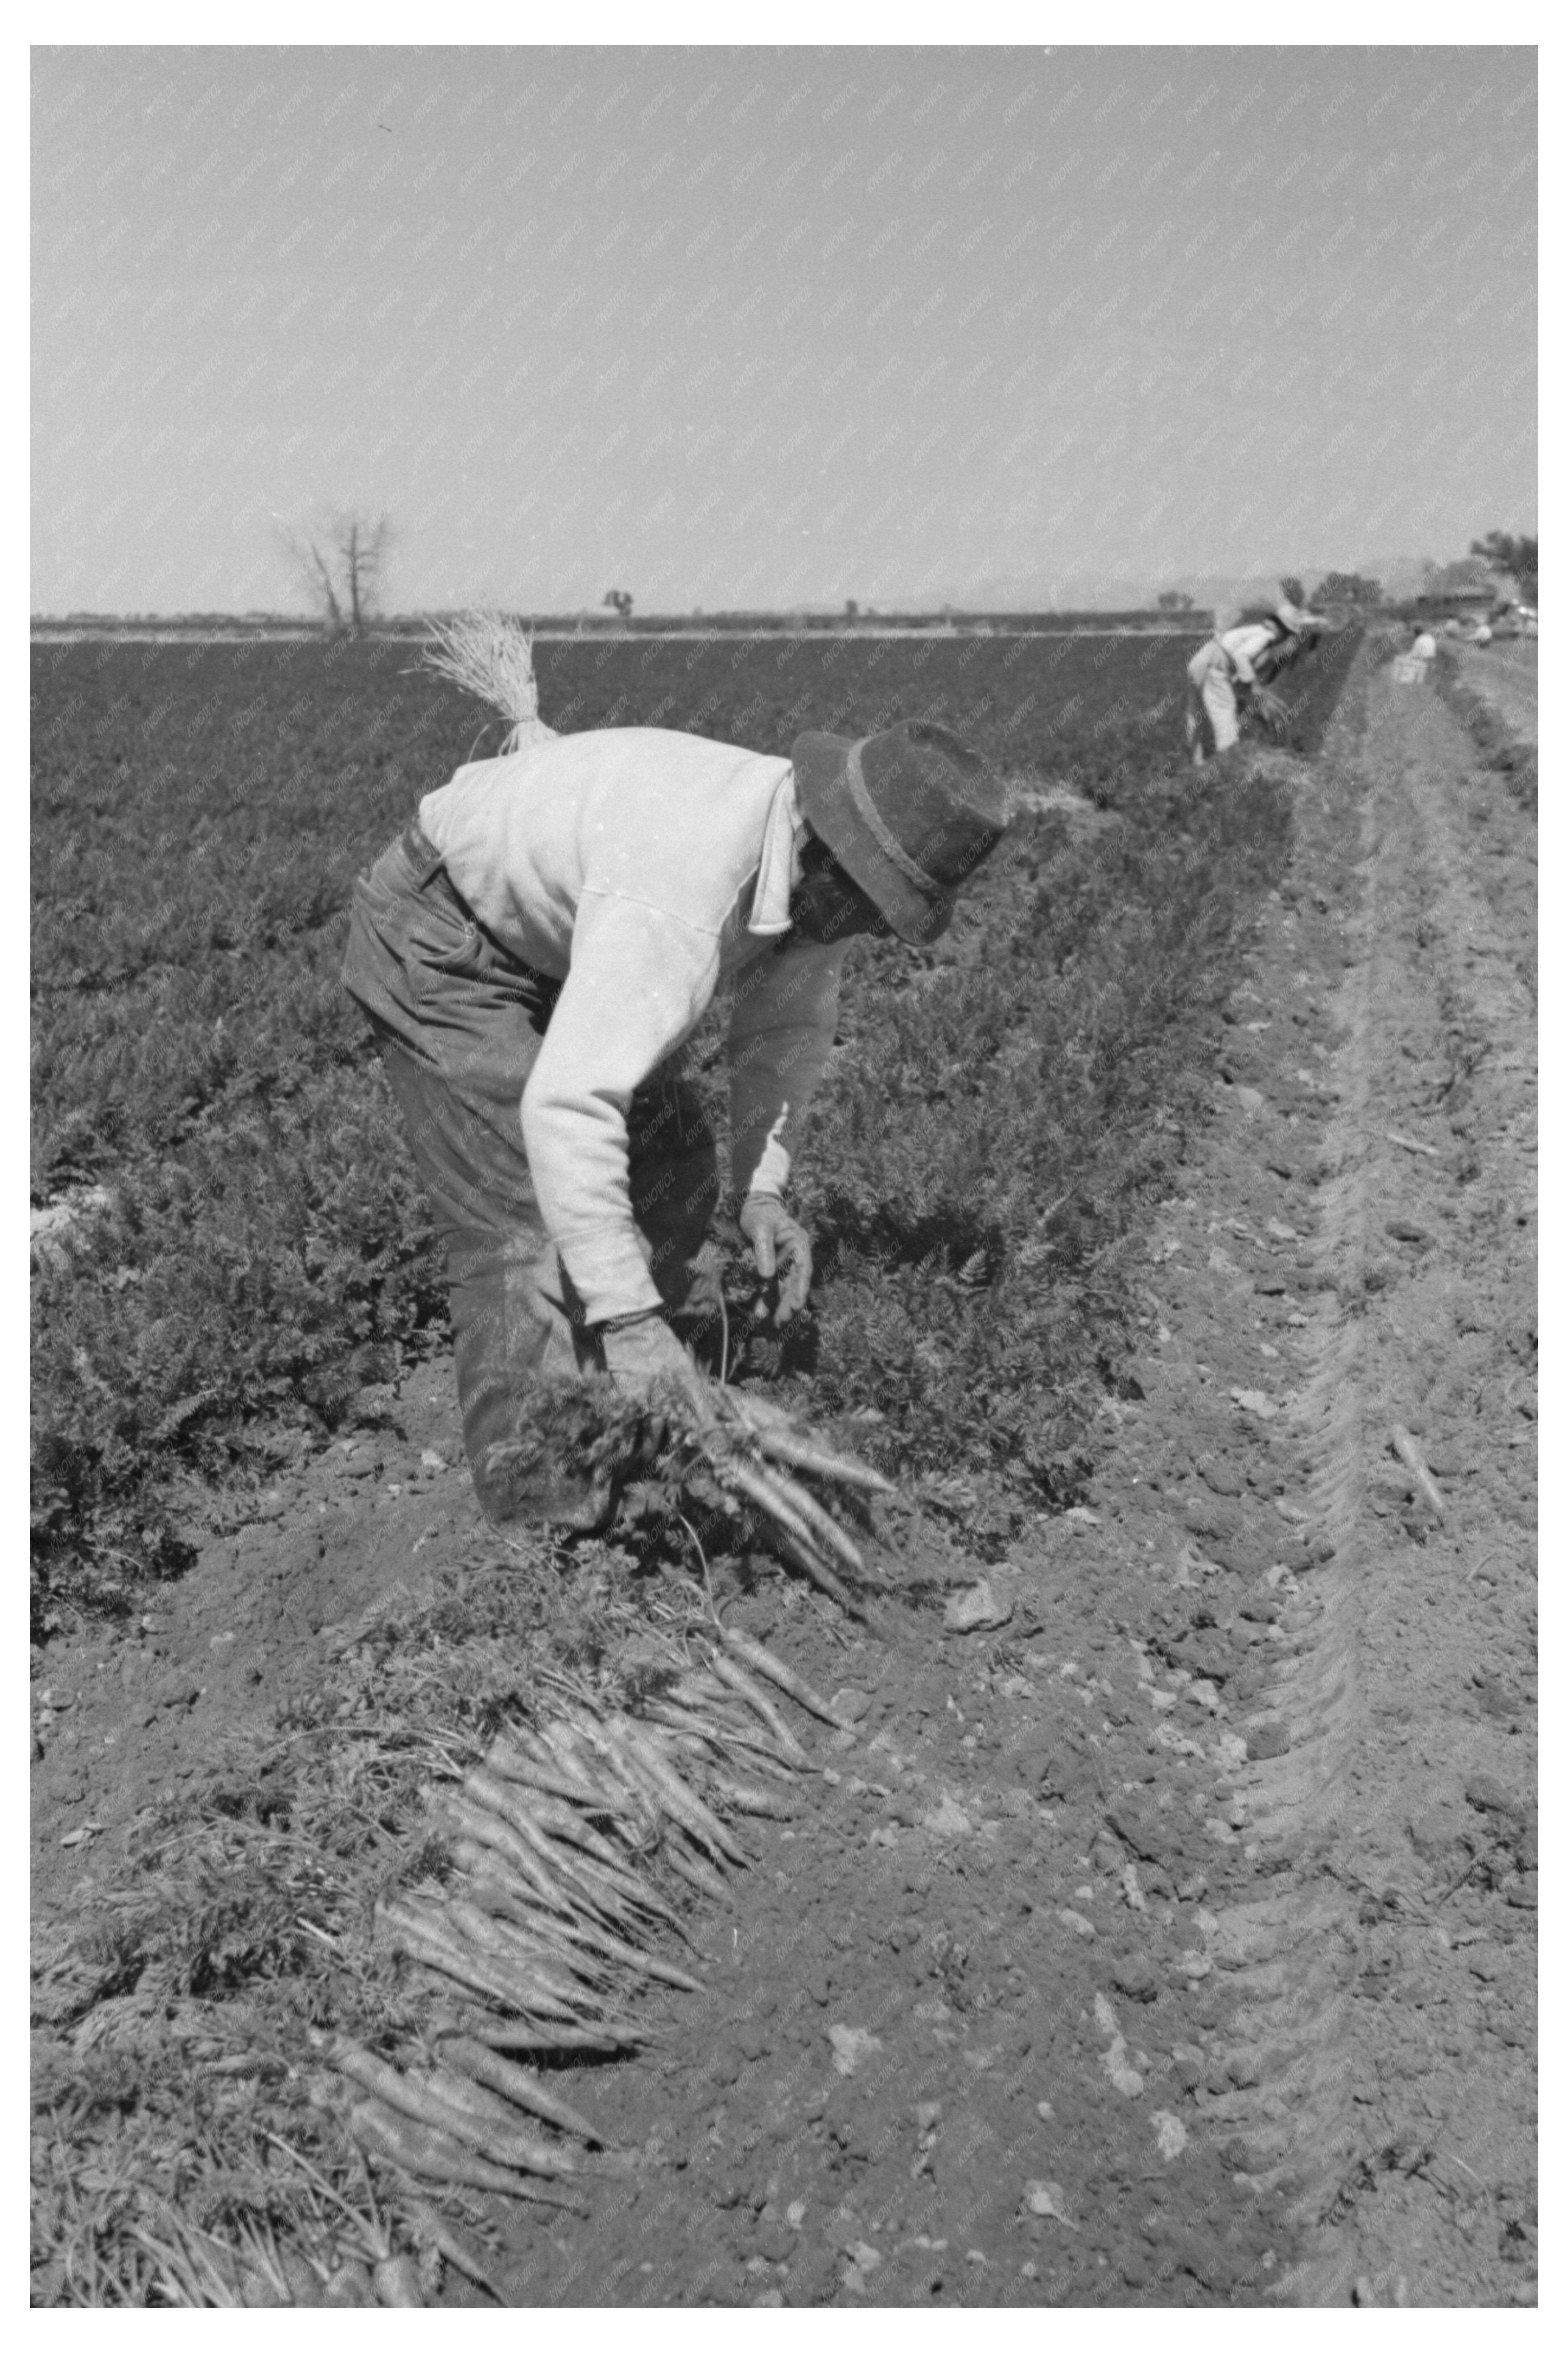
[999, 1108]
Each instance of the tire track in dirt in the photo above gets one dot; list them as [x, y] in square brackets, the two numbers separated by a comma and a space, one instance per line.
[1285, 1949]
[1302, 1962]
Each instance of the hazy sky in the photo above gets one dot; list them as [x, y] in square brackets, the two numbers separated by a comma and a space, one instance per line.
[751, 326]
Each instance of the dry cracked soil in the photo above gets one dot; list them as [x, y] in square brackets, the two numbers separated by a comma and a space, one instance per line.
[1170, 1936]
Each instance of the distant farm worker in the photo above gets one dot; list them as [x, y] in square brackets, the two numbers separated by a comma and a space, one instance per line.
[1424, 644]
[535, 950]
[1241, 656]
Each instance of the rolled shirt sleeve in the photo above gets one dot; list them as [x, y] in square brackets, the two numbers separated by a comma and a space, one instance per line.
[780, 1035]
[639, 983]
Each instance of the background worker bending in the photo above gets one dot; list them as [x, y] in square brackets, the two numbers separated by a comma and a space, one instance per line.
[1245, 657]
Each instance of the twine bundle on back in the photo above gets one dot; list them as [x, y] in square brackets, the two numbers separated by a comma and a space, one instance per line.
[491, 657]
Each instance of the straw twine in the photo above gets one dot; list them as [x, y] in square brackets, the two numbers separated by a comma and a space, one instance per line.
[490, 656]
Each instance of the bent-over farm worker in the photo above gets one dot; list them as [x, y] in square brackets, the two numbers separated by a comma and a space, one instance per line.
[1244, 657]
[535, 950]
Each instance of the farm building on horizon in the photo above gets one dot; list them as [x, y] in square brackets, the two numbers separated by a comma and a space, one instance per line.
[1470, 589]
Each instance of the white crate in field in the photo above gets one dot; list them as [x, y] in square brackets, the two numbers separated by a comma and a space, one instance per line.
[1408, 670]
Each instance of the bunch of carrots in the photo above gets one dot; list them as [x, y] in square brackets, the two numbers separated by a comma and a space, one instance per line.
[752, 1461]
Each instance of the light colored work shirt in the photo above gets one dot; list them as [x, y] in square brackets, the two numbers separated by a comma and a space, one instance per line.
[1233, 652]
[643, 869]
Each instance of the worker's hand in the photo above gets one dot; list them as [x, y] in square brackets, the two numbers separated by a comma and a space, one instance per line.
[647, 1351]
[780, 1246]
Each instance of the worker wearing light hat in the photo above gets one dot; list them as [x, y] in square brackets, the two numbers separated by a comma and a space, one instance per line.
[1245, 656]
[533, 953]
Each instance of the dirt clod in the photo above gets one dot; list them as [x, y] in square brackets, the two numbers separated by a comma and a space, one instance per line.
[1268, 1740]
[979, 1610]
[1488, 1795]
[1135, 1976]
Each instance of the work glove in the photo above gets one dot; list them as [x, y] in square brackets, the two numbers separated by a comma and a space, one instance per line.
[780, 1246]
[641, 1353]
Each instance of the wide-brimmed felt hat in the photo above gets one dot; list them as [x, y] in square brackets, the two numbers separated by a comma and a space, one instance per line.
[909, 813]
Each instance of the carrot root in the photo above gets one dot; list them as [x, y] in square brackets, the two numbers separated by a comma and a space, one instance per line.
[433, 2156]
[516, 2084]
[798, 1689]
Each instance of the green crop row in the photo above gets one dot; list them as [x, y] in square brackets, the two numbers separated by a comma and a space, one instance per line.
[987, 1146]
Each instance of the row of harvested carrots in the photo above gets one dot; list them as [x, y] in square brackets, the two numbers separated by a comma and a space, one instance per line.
[551, 1910]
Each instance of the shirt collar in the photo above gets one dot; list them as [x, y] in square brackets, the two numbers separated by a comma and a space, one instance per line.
[779, 872]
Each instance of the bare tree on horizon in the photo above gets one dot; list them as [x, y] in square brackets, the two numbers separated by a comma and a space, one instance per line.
[342, 562]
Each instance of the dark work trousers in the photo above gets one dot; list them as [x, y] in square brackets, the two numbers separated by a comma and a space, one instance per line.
[460, 1025]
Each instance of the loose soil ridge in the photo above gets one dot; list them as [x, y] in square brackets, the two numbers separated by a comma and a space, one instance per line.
[1169, 1936]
